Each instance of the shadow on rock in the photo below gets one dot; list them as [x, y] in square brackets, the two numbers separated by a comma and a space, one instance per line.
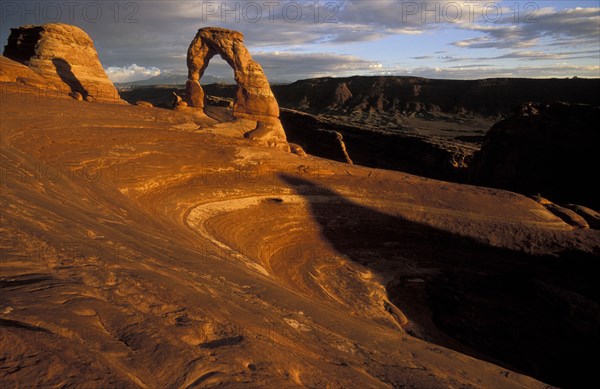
[64, 71]
[533, 314]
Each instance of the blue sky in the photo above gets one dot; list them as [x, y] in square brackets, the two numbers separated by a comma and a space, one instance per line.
[439, 39]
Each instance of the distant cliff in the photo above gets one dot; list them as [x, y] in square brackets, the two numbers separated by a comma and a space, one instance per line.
[411, 95]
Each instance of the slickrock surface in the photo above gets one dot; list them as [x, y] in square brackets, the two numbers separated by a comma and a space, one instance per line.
[141, 251]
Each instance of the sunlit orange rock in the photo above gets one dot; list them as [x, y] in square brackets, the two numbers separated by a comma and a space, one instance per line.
[65, 56]
[254, 99]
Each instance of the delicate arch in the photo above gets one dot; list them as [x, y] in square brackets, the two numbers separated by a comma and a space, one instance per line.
[254, 98]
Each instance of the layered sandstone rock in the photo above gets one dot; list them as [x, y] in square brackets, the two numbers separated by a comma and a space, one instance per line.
[11, 71]
[254, 99]
[65, 57]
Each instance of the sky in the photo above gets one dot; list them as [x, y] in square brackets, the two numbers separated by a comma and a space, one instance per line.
[304, 39]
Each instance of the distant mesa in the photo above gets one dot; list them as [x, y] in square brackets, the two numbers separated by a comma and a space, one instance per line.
[253, 100]
[65, 57]
[428, 98]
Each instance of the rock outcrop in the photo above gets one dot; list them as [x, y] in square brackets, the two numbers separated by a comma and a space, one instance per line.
[254, 99]
[65, 56]
[11, 71]
[550, 149]
[591, 217]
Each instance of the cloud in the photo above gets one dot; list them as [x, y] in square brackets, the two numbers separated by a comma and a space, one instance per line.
[473, 66]
[485, 71]
[292, 66]
[393, 15]
[327, 22]
[529, 55]
[131, 72]
[162, 31]
[542, 55]
[503, 39]
[569, 27]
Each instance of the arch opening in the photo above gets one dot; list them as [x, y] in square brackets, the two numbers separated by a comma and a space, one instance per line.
[217, 71]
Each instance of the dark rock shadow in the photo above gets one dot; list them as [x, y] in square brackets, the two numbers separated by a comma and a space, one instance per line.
[535, 315]
[222, 342]
[63, 69]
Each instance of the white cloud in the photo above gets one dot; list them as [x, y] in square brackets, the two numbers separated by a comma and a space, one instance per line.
[160, 37]
[527, 55]
[569, 27]
[292, 66]
[131, 72]
[469, 72]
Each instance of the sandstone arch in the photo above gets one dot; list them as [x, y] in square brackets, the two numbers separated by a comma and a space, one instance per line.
[254, 99]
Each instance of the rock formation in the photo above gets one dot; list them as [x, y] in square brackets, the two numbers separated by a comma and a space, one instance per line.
[254, 99]
[11, 71]
[76, 96]
[142, 103]
[551, 149]
[591, 217]
[64, 56]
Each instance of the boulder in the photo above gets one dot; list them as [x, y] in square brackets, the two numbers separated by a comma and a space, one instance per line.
[143, 103]
[254, 99]
[76, 95]
[177, 102]
[297, 149]
[64, 56]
